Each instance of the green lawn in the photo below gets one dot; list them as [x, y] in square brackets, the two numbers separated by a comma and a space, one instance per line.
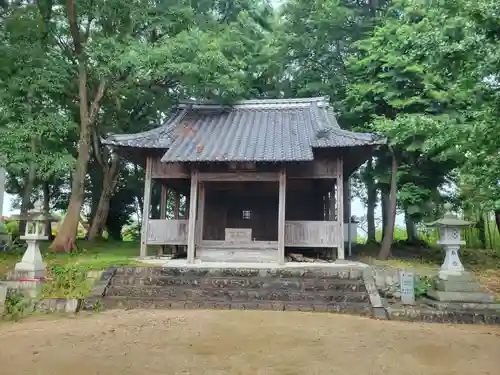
[67, 272]
[91, 256]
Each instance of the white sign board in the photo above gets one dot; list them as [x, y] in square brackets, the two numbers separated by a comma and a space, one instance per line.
[238, 235]
[407, 284]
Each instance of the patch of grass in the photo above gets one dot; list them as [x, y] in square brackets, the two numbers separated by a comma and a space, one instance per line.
[66, 272]
[424, 269]
[90, 256]
[67, 282]
[423, 285]
[7, 263]
[96, 256]
[15, 306]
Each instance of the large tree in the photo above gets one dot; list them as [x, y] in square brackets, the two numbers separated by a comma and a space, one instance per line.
[395, 91]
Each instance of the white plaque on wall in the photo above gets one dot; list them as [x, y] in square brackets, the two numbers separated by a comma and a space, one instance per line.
[238, 235]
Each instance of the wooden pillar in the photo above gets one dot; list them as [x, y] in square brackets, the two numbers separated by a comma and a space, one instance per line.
[281, 217]
[200, 214]
[187, 206]
[177, 205]
[163, 202]
[146, 208]
[163, 215]
[191, 243]
[332, 202]
[340, 208]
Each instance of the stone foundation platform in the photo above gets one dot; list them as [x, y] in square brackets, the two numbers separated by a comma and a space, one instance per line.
[335, 288]
[326, 288]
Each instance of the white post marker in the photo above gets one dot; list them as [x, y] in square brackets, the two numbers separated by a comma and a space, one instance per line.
[407, 285]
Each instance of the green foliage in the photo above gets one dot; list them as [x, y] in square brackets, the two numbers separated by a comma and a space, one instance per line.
[423, 284]
[66, 282]
[132, 233]
[15, 305]
[12, 227]
[422, 72]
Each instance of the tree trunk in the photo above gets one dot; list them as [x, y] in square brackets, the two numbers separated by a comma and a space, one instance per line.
[384, 207]
[411, 232]
[385, 248]
[497, 220]
[46, 209]
[371, 202]
[481, 230]
[28, 188]
[139, 197]
[110, 180]
[65, 239]
[66, 236]
[488, 229]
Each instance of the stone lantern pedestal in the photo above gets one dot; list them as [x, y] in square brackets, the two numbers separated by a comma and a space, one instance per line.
[31, 265]
[454, 283]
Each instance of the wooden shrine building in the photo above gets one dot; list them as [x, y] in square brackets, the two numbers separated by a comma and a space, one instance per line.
[260, 177]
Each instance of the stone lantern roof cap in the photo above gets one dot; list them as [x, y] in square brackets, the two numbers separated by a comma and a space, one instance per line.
[41, 216]
[450, 220]
[36, 216]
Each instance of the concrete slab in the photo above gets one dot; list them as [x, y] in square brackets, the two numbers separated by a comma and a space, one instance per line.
[461, 277]
[440, 305]
[3, 295]
[380, 313]
[199, 264]
[476, 297]
[458, 286]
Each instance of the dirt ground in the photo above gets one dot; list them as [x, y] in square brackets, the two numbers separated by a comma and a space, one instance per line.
[243, 342]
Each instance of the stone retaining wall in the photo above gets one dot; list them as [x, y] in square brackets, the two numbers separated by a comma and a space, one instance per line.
[336, 289]
[415, 314]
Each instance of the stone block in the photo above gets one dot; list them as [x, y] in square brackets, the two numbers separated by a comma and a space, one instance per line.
[298, 306]
[238, 306]
[462, 277]
[458, 286]
[379, 313]
[3, 296]
[477, 297]
[72, 305]
[320, 307]
[441, 305]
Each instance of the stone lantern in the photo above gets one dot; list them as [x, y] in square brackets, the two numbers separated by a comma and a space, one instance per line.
[454, 283]
[31, 265]
[450, 239]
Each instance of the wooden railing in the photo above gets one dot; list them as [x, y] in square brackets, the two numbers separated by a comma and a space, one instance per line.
[167, 232]
[312, 233]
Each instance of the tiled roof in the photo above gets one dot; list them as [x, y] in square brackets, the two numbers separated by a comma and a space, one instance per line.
[160, 137]
[252, 130]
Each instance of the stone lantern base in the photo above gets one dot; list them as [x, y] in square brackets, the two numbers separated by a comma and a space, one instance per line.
[31, 265]
[459, 288]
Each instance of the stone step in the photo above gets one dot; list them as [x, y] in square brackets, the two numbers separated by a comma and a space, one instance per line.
[297, 284]
[162, 303]
[192, 294]
[454, 306]
[473, 297]
[344, 273]
[458, 286]
[428, 315]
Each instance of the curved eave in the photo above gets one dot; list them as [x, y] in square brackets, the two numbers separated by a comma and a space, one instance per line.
[336, 137]
[157, 138]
